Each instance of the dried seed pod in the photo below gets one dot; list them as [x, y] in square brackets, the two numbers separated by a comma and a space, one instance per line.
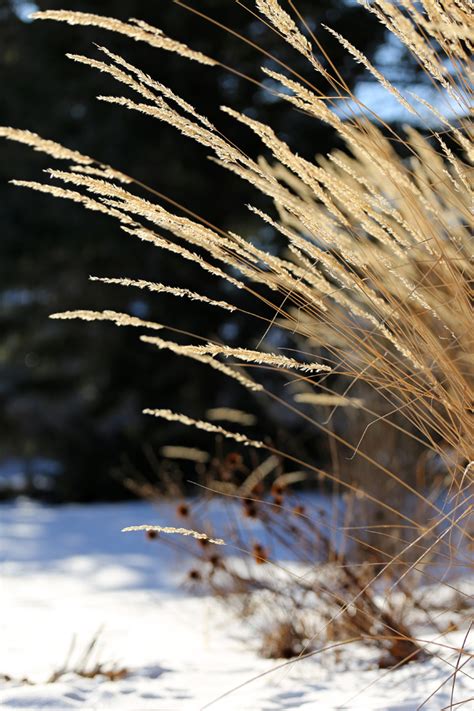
[216, 561]
[277, 489]
[260, 553]
[299, 510]
[250, 508]
[182, 510]
[278, 501]
[234, 460]
[258, 489]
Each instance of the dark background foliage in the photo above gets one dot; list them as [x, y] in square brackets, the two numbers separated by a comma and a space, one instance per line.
[71, 394]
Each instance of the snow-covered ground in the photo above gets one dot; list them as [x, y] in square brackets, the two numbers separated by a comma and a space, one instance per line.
[67, 572]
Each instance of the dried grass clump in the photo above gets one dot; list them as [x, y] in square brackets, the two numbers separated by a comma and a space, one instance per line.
[84, 664]
[322, 594]
[282, 641]
[375, 285]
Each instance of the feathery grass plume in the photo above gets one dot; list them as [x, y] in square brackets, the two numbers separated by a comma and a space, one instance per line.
[203, 425]
[116, 197]
[163, 289]
[101, 172]
[305, 99]
[231, 415]
[180, 531]
[147, 235]
[60, 152]
[226, 152]
[328, 399]
[260, 358]
[258, 475]
[191, 453]
[157, 86]
[117, 74]
[135, 29]
[74, 196]
[116, 317]
[142, 84]
[284, 24]
[43, 145]
[419, 43]
[306, 171]
[285, 480]
[191, 352]
[362, 59]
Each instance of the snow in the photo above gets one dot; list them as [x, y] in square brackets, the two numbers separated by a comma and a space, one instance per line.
[67, 572]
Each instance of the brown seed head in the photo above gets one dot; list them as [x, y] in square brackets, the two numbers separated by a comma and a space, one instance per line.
[277, 489]
[260, 554]
[182, 510]
[258, 489]
[233, 459]
[216, 561]
[278, 501]
[299, 510]
[250, 509]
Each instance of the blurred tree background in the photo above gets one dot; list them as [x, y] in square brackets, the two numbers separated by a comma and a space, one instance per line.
[71, 394]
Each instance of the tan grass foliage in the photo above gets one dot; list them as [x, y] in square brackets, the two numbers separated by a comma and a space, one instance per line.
[374, 286]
